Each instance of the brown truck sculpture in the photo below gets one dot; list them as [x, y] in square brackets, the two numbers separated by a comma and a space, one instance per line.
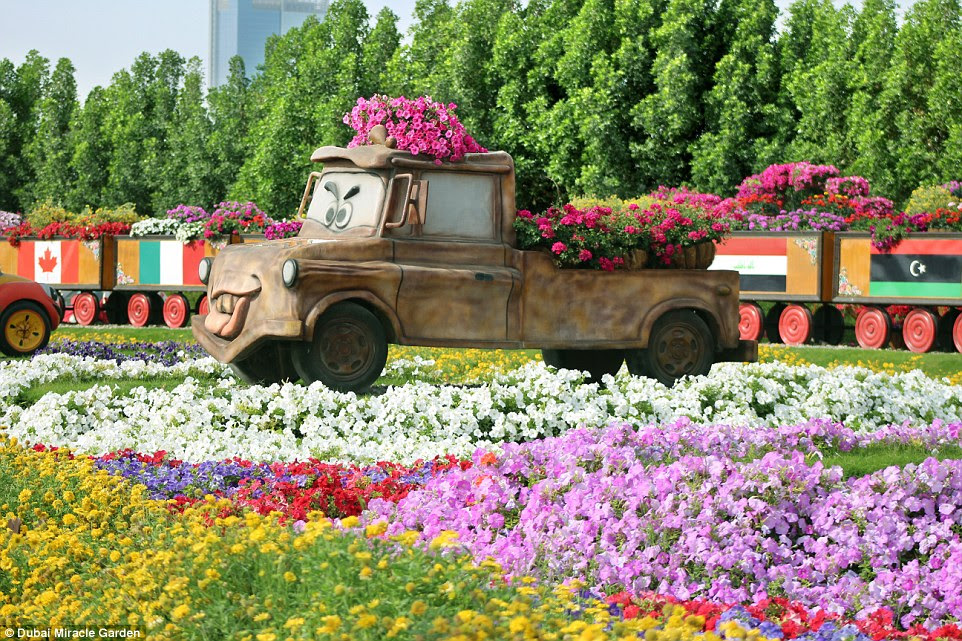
[396, 249]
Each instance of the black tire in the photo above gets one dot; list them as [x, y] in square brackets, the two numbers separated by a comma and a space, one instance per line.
[771, 323]
[60, 304]
[348, 351]
[828, 325]
[116, 308]
[597, 362]
[11, 328]
[680, 344]
[268, 365]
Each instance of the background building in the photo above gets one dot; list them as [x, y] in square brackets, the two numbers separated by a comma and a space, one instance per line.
[241, 27]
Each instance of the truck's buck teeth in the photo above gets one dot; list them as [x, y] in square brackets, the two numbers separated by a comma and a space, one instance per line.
[225, 303]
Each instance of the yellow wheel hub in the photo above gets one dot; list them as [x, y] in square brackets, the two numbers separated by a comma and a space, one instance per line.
[24, 330]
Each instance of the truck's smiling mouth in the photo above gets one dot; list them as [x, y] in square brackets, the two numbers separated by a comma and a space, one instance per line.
[228, 311]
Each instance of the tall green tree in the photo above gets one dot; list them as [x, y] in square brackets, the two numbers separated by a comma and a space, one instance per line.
[49, 152]
[672, 116]
[873, 34]
[25, 92]
[742, 120]
[186, 176]
[8, 136]
[162, 94]
[945, 104]
[420, 66]
[820, 88]
[128, 133]
[564, 31]
[90, 152]
[229, 143]
[511, 65]
[920, 137]
[472, 82]
[380, 47]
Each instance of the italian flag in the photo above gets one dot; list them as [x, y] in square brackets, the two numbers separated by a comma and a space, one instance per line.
[158, 262]
[762, 263]
[918, 269]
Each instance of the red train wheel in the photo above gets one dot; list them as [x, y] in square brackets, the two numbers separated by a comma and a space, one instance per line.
[138, 309]
[86, 308]
[957, 333]
[203, 305]
[795, 325]
[751, 322]
[919, 330]
[872, 328]
[176, 311]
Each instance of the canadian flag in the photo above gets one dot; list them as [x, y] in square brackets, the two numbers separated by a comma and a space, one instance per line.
[47, 262]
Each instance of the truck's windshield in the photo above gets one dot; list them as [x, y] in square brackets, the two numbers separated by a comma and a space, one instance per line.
[347, 201]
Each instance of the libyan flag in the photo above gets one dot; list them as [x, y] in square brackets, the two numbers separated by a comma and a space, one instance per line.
[918, 269]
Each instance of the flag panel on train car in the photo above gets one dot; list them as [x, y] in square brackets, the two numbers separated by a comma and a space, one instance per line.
[918, 268]
[762, 263]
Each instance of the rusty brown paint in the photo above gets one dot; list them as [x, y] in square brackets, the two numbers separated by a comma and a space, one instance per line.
[429, 285]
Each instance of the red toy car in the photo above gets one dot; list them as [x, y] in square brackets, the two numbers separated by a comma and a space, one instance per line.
[27, 315]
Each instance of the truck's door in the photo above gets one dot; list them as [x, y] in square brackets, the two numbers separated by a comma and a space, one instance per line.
[454, 282]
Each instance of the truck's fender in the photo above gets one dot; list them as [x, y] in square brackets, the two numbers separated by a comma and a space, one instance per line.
[365, 298]
[656, 312]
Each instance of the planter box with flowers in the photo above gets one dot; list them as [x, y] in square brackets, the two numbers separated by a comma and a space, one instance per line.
[64, 250]
[677, 230]
[162, 253]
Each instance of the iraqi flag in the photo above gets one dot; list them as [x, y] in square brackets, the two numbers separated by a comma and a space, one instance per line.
[52, 262]
[918, 269]
[762, 263]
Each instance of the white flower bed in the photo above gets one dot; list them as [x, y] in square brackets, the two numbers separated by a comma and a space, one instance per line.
[420, 420]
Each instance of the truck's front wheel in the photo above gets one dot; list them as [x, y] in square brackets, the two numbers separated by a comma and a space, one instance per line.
[348, 351]
[597, 362]
[680, 344]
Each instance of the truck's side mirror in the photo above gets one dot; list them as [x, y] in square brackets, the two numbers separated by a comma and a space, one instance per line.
[413, 203]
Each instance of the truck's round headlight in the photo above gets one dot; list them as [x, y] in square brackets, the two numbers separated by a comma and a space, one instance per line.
[203, 270]
[289, 272]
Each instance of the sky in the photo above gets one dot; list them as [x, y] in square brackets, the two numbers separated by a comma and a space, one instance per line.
[102, 37]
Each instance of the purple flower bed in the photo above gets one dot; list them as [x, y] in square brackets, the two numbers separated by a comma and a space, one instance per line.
[673, 510]
[163, 352]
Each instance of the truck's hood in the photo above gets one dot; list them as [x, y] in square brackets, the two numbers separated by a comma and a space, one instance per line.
[246, 280]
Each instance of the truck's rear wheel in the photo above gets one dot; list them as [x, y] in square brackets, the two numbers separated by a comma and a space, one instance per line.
[269, 364]
[348, 351]
[680, 344]
[597, 362]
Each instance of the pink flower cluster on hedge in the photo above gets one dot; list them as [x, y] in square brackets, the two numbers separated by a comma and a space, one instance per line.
[420, 125]
[673, 509]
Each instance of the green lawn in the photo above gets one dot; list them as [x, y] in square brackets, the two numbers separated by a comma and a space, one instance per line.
[109, 333]
[934, 364]
[866, 460]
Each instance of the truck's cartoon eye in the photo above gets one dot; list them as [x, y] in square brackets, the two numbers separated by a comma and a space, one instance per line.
[339, 214]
